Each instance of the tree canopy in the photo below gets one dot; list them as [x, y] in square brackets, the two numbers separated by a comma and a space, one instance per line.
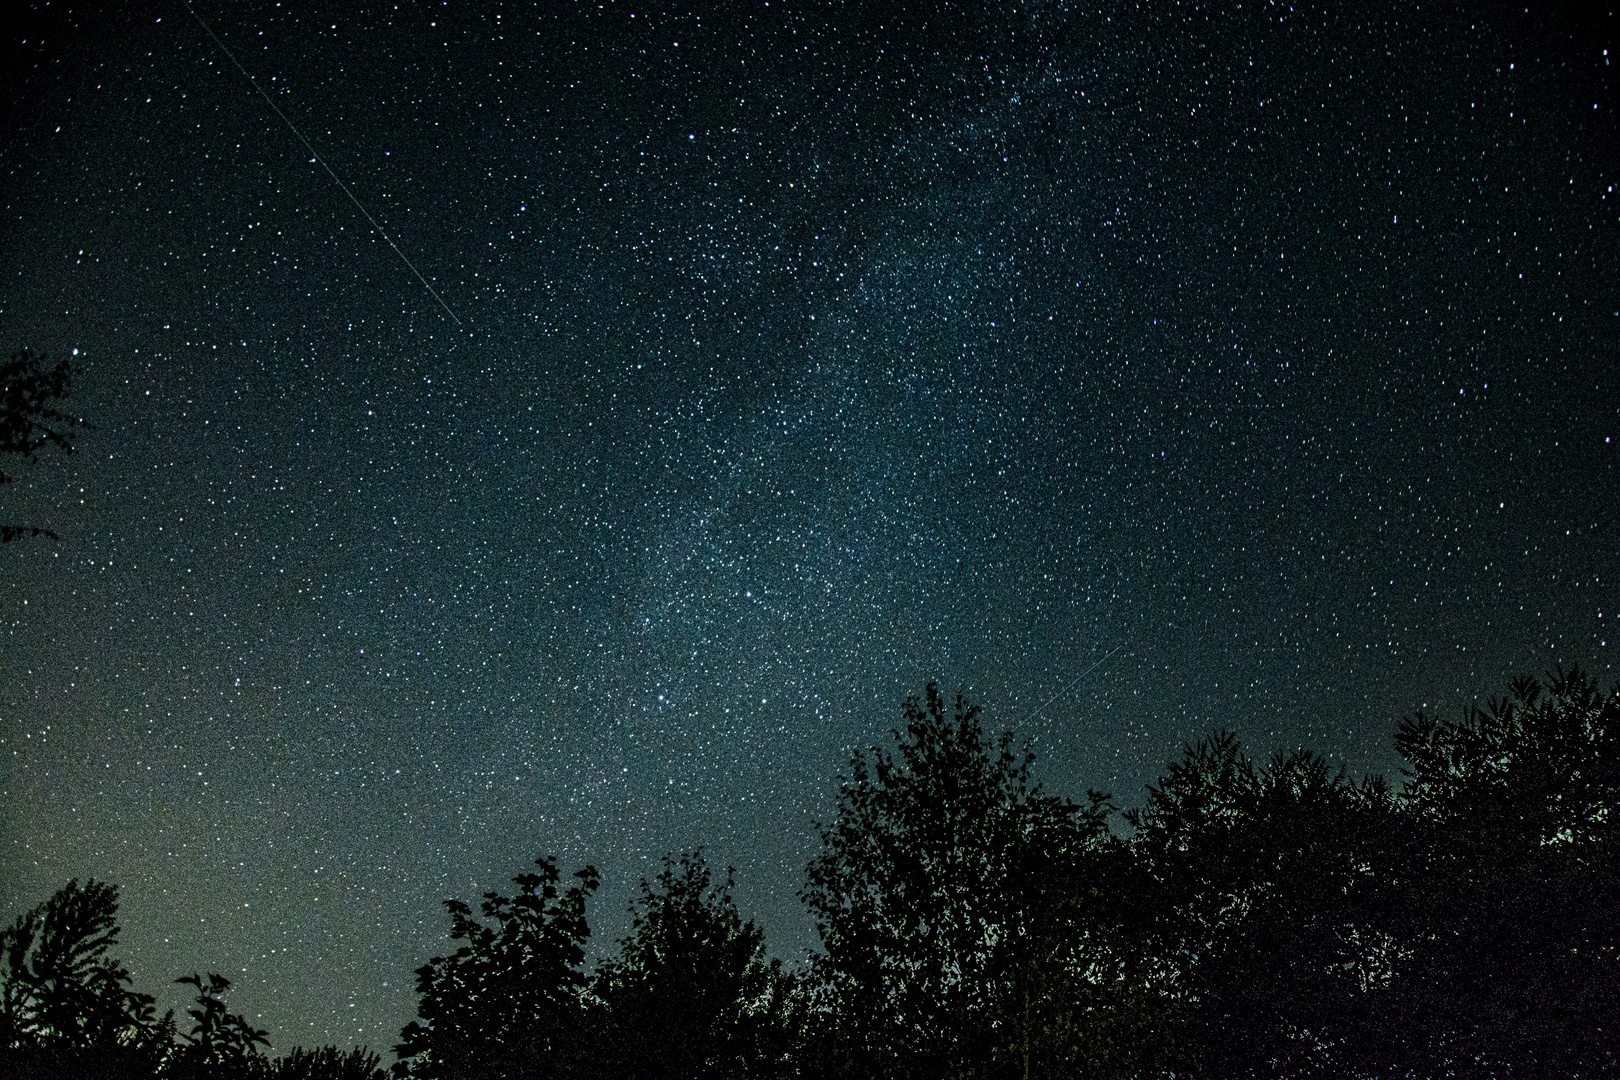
[65, 998]
[1249, 919]
[944, 894]
[67, 1010]
[508, 1002]
[691, 992]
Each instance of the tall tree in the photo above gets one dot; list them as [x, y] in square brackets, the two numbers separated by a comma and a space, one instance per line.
[1511, 905]
[1264, 910]
[691, 993]
[30, 420]
[508, 1002]
[925, 898]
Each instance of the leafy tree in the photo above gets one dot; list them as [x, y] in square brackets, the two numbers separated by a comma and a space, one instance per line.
[1536, 769]
[929, 897]
[1310, 926]
[30, 420]
[1509, 886]
[691, 994]
[65, 1000]
[509, 1002]
[1264, 908]
[1076, 989]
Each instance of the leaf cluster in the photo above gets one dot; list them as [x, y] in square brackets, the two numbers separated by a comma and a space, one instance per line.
[30, 419]
[64, 991]
[507, 1001]
[220, 1042]
[67, 1010]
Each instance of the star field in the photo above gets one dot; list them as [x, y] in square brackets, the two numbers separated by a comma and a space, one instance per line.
[807, 354]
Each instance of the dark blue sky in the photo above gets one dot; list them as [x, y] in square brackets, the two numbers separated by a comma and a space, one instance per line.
[806, 354]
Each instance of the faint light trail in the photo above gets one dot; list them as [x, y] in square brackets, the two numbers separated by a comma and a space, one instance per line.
[1071, 685]
[315, 156]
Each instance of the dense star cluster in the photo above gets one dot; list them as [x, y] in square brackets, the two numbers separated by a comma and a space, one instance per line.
[795, 355]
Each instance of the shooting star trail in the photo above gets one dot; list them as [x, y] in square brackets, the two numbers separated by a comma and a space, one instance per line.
[1071, 686]
[315, 156]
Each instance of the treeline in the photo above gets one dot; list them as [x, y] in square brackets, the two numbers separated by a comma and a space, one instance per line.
[1274, 919]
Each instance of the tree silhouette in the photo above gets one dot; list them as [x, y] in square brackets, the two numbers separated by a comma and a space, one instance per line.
[1275, 920]
[1267, 921]
[509, 1002]
[1075, 989]
[924, 897]
[29, 419]
[1510, 884]
[691, 993]
[1465, 926]
[65, 1000]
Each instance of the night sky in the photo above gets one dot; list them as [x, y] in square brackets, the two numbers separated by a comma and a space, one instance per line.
[794, 357]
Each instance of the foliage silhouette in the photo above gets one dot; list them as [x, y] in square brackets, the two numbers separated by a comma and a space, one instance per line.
[1261, 921]
[1076, 994]
[65, 1001]
[691, 993]
[29, 419]
[1464, 926]
[1508, 886]
[221, 1043]
[66, 1010]
[508, 1003]
[928, 897]
[326, 1063]
[1263, 910]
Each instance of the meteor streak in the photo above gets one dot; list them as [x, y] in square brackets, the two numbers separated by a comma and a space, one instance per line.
[315, 156]
[1071, 686]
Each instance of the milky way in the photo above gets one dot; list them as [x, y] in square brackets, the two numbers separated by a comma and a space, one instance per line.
[807, 355]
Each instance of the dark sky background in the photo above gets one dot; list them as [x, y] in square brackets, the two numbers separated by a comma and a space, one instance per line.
[805, 355]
